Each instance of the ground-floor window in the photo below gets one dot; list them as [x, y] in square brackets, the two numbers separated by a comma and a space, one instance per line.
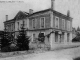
[68, 35]
[56, 36]
[62, 37]
[33, 37]
[41, 37]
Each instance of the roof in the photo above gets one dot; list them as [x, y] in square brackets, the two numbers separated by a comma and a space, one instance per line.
[20, 15]
[56, 12]
[9, 20]
[23, 14]
[42, 11]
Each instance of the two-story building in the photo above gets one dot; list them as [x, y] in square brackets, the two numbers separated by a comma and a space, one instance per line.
[46, 22]
[49, 21]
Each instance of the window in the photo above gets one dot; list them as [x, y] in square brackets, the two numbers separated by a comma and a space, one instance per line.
[41, 37]
[68, 25]
[57, 22]
[6, 27]
[42, 22]
[68, 36]
[33, 23]
[23, 23]
[12, 27]
[56, 36]
[18, 25]
[63, 23]
[33, 37]
[9, 26]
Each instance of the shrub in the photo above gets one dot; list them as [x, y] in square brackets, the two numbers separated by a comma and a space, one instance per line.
[76, 39]
[5, 49]
[14, 47]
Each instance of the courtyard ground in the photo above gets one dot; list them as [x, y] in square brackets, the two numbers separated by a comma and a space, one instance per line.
[64, 54]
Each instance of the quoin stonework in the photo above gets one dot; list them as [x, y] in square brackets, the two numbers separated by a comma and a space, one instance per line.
[46, 22]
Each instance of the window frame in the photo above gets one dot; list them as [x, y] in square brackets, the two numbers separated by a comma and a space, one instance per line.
[33, 24]
[18, 25]
[12, 27]
[63, 24]
[68, 25]
[56, 22]
[33, 36]
[41, 23]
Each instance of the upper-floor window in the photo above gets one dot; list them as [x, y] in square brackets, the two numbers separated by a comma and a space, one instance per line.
[12, 27]
[9, 28]
[42, 22]
[18, 25]
[6, 28]
[33, 23]
[23, 24]
[63, 23]
[57, 22]
[68, 25]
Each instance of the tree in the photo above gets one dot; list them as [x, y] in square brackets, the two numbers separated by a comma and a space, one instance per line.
[23, 40]
[5, 40]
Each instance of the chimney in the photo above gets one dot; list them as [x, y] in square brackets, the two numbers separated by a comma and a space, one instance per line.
[68, 13]
[52, 4]
[6, 17]
[30, 11]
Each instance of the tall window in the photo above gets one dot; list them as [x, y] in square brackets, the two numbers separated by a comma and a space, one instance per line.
[56, 36]
[63, 23]
[23, 23]
[9, 27]
[18, 25]
[42, 22]
[33, 23]
[33, 37]
[68, 25]
[12, 27]
[57, 22]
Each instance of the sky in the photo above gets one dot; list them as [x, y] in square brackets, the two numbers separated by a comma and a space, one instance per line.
[12, 7]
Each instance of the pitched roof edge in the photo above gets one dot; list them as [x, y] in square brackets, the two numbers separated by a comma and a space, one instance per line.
[49, 9]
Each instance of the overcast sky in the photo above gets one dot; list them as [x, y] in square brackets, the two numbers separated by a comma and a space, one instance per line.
[12, 8]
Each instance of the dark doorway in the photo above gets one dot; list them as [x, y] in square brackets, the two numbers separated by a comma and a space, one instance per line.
[56, 36]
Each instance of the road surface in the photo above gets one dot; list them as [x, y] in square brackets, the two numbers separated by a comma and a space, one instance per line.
[65, 54]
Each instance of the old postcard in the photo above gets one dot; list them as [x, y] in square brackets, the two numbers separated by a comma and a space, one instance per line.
[39, 29]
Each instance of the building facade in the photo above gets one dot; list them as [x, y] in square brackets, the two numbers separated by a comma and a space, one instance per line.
[20, 19]
[47, 22]
[51, 22]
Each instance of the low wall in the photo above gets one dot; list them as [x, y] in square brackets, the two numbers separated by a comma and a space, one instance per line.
[64, 46]
[55, 46]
